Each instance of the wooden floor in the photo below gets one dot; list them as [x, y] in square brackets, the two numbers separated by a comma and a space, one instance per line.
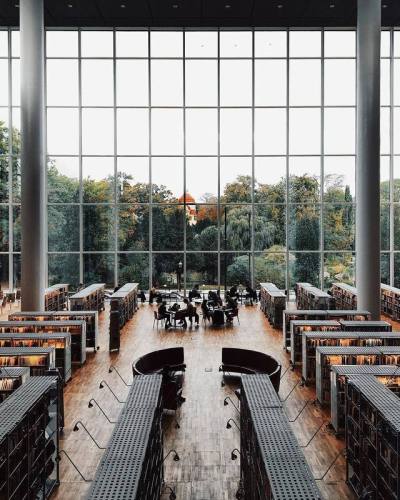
[205, 471]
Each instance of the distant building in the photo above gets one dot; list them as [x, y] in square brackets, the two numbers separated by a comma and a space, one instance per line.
[191, 211]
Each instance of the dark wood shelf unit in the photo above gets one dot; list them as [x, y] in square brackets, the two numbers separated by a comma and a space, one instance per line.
[372, 439]
[38, 359]
[272, 463]
[60, 341]
[298, 315]
[365, 326]
[29, 440]
[386, 374]
[77, 329]
[132, 465]
[11, 379]
[311, 297]
[272, 303]
[90, 298]
[390, 301]
[56, 297]
[348, 315]
[344, 295]
[90, 317]
[312, 340]
[123, 305]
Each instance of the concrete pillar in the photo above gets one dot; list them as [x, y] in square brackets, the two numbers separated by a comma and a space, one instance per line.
[368, 156]
[33, 159]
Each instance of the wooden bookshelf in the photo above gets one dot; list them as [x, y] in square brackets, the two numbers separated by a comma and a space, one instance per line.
[348, 315]
[91, 319]
[11, 379]
[299, 327]
[344, 295]
[311, 297]
[29, 440]
[60, 341]
[77, 329]
[56, 297]
[386, 374]
[390, 301]
[38, 359]
[365, 326]
[90, 298]
[294, 315]
[272, 303]
[123, 305]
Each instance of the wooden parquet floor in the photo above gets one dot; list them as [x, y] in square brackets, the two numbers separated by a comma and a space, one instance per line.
[205, 471]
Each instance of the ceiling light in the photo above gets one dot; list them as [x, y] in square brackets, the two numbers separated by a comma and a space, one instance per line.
[332, 6]
[69, 5]
[384, 6]
[175, 5]
[122, 6]
[279, 6]
[16, 5]
[227, 6]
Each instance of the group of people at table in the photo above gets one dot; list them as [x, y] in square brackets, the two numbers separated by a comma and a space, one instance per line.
[212, 308]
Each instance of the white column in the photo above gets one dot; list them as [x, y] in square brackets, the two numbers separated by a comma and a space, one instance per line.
[33, 164]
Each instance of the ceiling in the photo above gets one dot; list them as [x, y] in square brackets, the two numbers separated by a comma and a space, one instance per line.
[200, 13]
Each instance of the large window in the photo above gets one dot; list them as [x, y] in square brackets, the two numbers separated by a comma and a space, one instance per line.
[230, 153]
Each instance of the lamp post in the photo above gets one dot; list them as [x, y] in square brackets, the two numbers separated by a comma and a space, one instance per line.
[179, 271]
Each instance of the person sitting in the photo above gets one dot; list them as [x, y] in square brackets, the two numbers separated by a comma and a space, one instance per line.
[231, 307]
[194, 293]
[250, 294]
[188, 312]
[233, 292]
[206, 310]
[142, 296]
[152, 294]
[163, 314]
[214, 299]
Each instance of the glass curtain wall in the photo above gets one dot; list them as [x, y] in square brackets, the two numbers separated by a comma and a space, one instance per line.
[209, 157]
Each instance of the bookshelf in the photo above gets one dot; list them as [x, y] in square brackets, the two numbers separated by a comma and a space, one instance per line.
[293, 315]
[90, 298]
[11, 379]
[390, 301]
[344, 295]
[123, 305]
[312, 340]
[372, 439]
[272, 464]
[135, 450]
[299, 327]
[311, 297]
[56, 297]
[348, 315]
[77, 329]
[388, 375]
[38, 359]
[272, 303]
[91, 319]
[60, 341]
[365, 326]
[29, 440]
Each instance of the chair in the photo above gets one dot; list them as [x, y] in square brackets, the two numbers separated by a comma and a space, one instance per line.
[235, 314]
[157, 319]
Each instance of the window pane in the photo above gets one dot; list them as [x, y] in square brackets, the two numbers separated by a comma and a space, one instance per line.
[166, 44]
[201, 131]
[4, 180]
[62, 44]
[235, 179]
[167, 178]
[385, 226]
[270, 43]
[201, 83]
[339, 131]
[131, 43]
[339, 227]
[168, 221]
[98, 227]
[133, 227]
[385, 82]
[167, 131]
[270, 180]
[270, 131]
[397, 269]
[235, 44]
[396, 222]
[64, 268]
[202, 179]
[132, 83]
[16, 82]
[201, 44]
[396, 130]
[165, 267]
[269, 227]
[304, 227]
[385, 178]
[385, 268]
[270, 83]
[238, 93]
[385, 43]
[4, 272]
[98, 180]
[235, 132]
[62, 131]
[270, 267]
[339, 178]
[132, 131]
[202, 270]
[3, 43]
[385, 130]
[166, 83]
[305, 139]
[201, 227]
[60, 71]
[16, 180]
[396, 82]
[305, 83]
[305, 44]
[339, 267]
[17, 271]
[15, 52]
[133, 180]
[63, 179]
[235, 269]
[97, 43]
[304, 267]
[16, 228]
[396, 178]
[97, 83]
[304, 179]
[134, 268]
[340, 82]
[63, 228]
[236, 227]
[98, 131]
[4, 82]
[3, 228]
[98, 268]
[340, 44]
